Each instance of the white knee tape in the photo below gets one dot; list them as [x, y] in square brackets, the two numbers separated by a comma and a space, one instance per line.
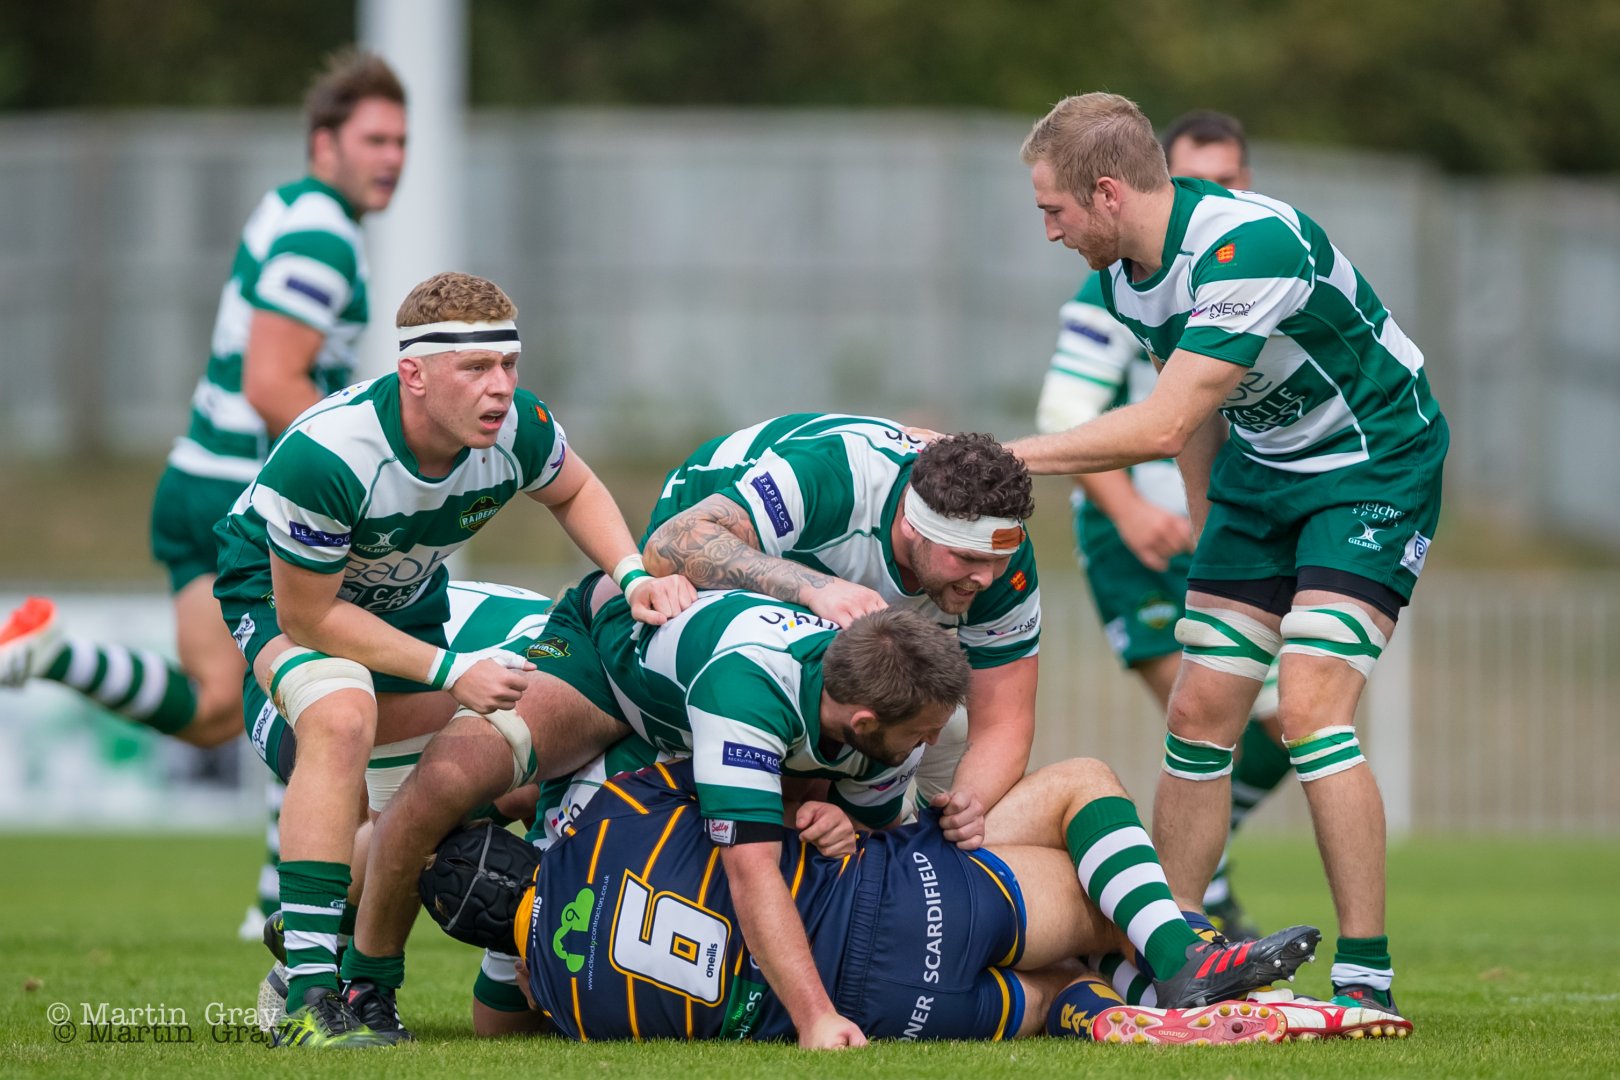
[1341, 631]
[301, 677]
[390, 764]
[1228, 641]
[516, 734]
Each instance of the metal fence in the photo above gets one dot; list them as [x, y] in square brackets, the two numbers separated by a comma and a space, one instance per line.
[1496, 710]
[681, 272]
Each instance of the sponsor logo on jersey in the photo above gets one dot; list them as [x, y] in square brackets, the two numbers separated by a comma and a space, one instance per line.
[315, 537]
[723, 833]
[260, 735]
[382, 545]
[788, 621]
[1226, 253]
[314, 292]
[483, 508]
[1019, 581]
[1223, 310]
[1417, 550]
[775, 506]
[739, 756]
[1368, 538]
[244, 632]
[548, 648]
[1022, 628]
[576, 918]
[1157, 613]
[1101, 337]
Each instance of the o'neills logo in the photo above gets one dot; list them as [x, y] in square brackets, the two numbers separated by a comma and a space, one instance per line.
[473, 518]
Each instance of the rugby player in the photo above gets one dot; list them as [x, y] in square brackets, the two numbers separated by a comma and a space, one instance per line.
[628, 926]
[332, 582]
[1131, 525]
[1313, 516]
[845, 514]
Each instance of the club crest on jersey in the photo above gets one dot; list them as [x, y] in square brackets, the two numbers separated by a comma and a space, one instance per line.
[548, 648]
[1019, 581]
[1157, 613]
[1226, 253]
[483, 508]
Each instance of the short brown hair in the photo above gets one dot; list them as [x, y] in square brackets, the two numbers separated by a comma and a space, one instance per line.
[895, 662]
[1090, 136]
[1205, 126]
[349, 77]
[971, 476]
[454, 295]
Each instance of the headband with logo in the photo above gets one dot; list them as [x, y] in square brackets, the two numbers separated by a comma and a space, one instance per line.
[984, 534]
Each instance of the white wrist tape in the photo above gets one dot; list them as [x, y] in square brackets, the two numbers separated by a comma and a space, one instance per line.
[450, 666]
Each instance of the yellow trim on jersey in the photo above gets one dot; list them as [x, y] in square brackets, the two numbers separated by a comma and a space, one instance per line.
[1018, 930]
[579, 1021]
[668, 779]
[630, 999]
[520, 925]
[601, 834]
[1006, 1005]
[617, 790]
[646, 871]
[688, 1019]
[798, 875]
[708, 873]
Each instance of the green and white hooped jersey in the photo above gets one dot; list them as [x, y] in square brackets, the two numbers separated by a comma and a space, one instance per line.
[488, 615]
[734, 682]
[341, 494]
[301, 255]
[564, 799]
[1252, 281]
[823, 490]
[1099, 366]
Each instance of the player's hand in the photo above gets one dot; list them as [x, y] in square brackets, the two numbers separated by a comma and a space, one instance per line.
[488, 679]
[841, 601]
[827, 827]
[660, 599]
[830, 1031]
[961, 818]
[1154, 535]
[923, 435]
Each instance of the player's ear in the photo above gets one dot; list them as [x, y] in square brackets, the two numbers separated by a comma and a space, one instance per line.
[864, 721]
[413, 375]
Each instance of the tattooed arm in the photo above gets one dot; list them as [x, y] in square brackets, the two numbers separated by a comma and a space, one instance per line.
[715, 546]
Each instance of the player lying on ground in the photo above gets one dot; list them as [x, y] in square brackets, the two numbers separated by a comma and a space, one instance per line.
[332, 580]
[626, 927]
[846, 514]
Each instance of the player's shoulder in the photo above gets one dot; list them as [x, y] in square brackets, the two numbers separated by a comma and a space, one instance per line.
[1091, 291]
[310, 206]
[1228, 231]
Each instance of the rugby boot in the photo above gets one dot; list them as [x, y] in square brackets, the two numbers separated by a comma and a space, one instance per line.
[1215, 973]
[28, 641]
[275, 936]
[377, 1009]
[1307, 1018]
[272, 1004]
[324, 1020]
[1211, 1025]
[1360, 995]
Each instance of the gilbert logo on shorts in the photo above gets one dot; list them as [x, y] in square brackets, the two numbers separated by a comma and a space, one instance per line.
[775, 506]
[473, 518]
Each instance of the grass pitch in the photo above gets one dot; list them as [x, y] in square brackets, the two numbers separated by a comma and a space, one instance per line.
[1506, 950]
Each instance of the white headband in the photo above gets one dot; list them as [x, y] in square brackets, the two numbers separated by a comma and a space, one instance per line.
[984, 534]
[441, 337]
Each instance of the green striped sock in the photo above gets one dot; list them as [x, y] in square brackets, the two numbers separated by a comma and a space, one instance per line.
[1364, 962]
[384, 971]
[1120, 871]
[1128, 980]
[137, 684]
[313, 896]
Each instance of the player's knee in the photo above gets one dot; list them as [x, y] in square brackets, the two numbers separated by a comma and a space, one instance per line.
[1343, 632]
[335, 693]
[1087, 778]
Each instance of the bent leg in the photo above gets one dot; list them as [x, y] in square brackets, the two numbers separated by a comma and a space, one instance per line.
[211, 658]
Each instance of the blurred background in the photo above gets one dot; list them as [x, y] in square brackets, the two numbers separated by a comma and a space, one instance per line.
[711, 213]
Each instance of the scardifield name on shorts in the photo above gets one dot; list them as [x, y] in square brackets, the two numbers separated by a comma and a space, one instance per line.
[153, 1022]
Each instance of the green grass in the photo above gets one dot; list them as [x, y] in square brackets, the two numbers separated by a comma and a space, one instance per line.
[1506, 949]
